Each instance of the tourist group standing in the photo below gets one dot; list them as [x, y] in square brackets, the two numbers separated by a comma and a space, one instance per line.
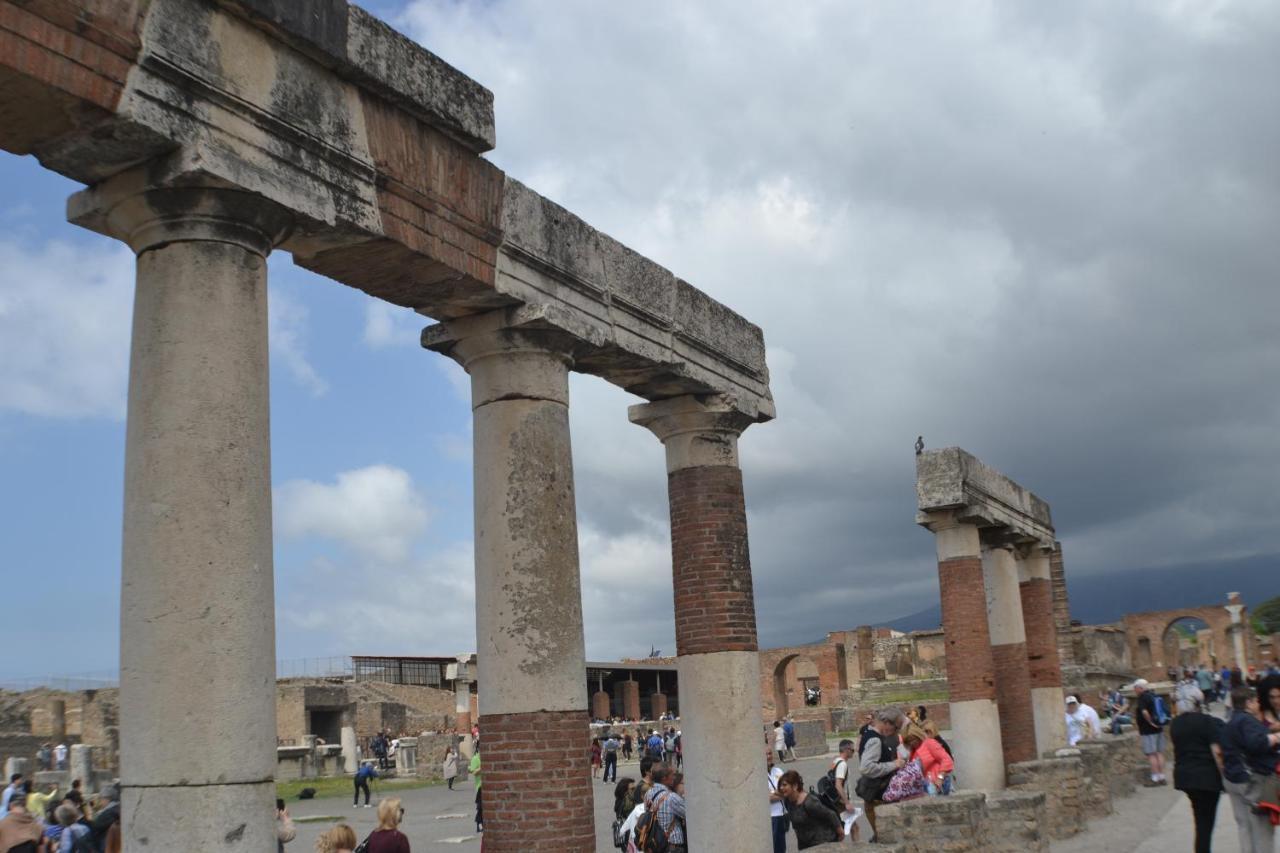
[47, 821]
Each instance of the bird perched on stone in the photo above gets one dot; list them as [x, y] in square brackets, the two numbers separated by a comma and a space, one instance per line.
[919, 444]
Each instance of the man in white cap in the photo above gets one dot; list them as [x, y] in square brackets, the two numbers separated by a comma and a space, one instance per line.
[1151, 724]
[1082, 722]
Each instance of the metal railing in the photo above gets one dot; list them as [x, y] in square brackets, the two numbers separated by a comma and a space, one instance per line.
[329, 667]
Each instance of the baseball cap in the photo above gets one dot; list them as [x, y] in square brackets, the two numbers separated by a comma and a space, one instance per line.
[1071, 700]
[1141, 683]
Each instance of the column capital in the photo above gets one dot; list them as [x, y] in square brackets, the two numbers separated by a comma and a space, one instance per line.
[147, 213]
[698, 431]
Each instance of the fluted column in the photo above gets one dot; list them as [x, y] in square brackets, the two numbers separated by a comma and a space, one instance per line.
[975, 717]
[197, 629]
[530, 654]
[1036, 587]
[717, 655]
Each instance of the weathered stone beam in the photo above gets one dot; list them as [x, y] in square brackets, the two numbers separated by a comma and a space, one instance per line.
[372, 143]
[949, 479]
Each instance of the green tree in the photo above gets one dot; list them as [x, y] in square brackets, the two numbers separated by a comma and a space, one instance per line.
[1266, 616]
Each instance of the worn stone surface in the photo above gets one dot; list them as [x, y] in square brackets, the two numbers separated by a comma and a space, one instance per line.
[1014, 822]
[951, 479]
[1061, 780]
[954, 824]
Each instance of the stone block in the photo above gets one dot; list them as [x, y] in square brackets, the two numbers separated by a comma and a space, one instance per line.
[1097, 790]
[1061, 779]
[954, 824]
[1014, 822]
[811, 738]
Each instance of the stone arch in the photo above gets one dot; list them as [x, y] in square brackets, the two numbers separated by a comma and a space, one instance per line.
[790, 677]
[1180, 641]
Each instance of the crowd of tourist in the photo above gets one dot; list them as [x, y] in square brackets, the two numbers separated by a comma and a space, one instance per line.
[50, 821]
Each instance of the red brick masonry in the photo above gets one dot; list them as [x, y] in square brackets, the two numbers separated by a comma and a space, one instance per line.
[970, 669]
[1013, 693]
[711, 566]
[536, 772]
[1042, 632]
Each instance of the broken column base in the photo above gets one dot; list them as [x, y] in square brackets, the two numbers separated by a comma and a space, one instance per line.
[1014, 821]
[1097, 791]
[955, 824]
[1061, 779]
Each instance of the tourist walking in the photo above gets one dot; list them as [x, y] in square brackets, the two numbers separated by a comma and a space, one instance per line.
[611, 747]
[1151, 722]
[474, 768]
[777, 808]
[812, 821]
[1197, 762]
[449, 767]
[668, 807]
[595, 758]
[626, 746]
[388, 838]
[789, 736]
[779, 741]
[1249, 758]
[364, 773]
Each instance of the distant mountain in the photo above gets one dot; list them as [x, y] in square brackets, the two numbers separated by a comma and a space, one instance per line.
[1107, 596]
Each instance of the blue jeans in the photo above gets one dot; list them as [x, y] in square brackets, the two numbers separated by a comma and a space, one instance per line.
[780, 834]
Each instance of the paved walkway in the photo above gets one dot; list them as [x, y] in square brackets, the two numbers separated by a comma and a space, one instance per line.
[1153, 820]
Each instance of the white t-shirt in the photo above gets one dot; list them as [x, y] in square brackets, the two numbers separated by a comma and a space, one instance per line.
[779, 739]
[776, 809]
[1083, 723]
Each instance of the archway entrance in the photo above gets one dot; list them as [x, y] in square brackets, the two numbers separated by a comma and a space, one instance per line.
[795, 684]
[1188, 642]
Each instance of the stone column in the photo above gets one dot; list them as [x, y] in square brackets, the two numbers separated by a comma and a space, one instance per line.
[58, 720]
[80, 765]
[717, 658]
[1009, 654]
[1235, 608]
[627, 693]
[462, 706]
[975, 717]
[350, 760]
[1047, 706]
[197, 629]
[529, 648]
[600, 705]
[657, 704]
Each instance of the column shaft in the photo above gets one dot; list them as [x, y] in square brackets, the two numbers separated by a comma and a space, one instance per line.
[975, 718]
[717, 658]
[530, 650]
[1036, 589]
[197, 629]
[1009, 654]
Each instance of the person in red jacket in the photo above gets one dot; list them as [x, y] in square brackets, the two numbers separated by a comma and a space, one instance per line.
[935, 763]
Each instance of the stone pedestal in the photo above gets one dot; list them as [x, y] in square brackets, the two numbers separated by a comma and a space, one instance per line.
[531, 654]
[81, 765]
[407, 756]
[350, 753]
[1096, 789]
[1014, 822]
[975, 718]
[627, 695]
[600, 705]
[197, 663]
[716, 650]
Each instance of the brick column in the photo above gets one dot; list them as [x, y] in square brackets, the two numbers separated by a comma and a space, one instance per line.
[600, 705]
[197, 613]
[975, 717]
[530, 653]
[717, 656]
[627, 695]
[1036, 587]
[1009, 654]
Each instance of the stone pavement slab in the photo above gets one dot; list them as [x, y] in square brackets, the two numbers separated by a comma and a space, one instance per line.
[1153, 820]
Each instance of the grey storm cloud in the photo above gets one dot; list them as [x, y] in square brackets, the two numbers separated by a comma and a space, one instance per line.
[1044, 232]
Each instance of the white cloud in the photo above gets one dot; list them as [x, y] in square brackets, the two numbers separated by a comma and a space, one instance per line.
[388, 325]
[64, 328]
[287, 330]
[376, 511]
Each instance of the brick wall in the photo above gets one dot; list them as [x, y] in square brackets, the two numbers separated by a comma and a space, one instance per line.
[1061, 780]
[537, 782]
[1013, 693]
[1014, 823]
[970, 670]
[1042, 634]
[957, 824]
[1061, 605]
[711, 564]
[1152, 626]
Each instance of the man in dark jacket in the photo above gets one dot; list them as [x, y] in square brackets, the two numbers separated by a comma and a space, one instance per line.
[1249, 755]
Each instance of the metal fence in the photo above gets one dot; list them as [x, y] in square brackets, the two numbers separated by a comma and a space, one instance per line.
[330, 667]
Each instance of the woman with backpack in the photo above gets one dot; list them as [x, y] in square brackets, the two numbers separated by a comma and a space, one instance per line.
[813, 822]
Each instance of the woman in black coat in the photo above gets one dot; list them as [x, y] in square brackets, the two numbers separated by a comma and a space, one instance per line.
[1197, 765]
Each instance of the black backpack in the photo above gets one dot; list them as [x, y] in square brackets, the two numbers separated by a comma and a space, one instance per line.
[650, 835]
[827, 792]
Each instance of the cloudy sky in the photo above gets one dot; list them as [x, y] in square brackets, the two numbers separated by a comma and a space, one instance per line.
[1047, 233]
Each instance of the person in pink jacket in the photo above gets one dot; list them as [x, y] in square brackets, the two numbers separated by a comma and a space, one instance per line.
[935, 762]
